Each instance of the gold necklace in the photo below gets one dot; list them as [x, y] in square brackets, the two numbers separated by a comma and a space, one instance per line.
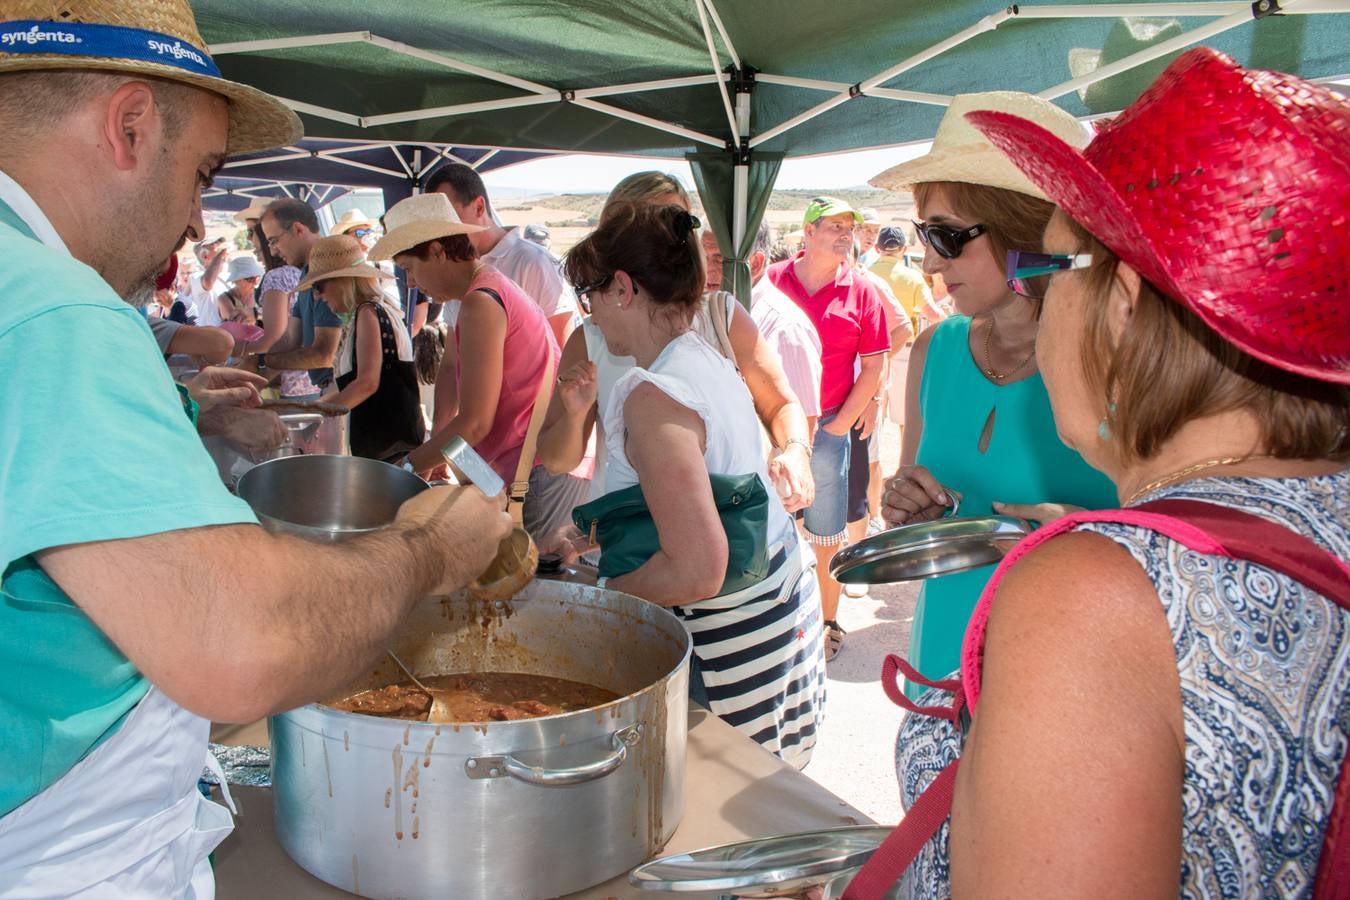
[1191, 470]
[989, 366]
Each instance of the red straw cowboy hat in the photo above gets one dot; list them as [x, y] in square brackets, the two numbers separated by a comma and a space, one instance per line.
[138, 37]
[1229, 190]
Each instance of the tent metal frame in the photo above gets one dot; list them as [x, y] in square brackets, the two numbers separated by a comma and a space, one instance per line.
[1228, 14]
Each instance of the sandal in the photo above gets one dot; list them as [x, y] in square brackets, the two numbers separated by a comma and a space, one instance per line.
[834, 639]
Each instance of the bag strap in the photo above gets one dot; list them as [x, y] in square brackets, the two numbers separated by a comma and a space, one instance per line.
[1203, 527]
[719, 313]
[515, 495]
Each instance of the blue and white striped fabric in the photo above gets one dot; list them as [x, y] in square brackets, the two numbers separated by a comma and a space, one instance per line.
[762, 657]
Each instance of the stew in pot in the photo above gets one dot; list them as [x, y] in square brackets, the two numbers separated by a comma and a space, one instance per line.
[479, 697]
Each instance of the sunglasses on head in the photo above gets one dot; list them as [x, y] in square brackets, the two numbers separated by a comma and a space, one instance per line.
[1029, 273]
[945, 240]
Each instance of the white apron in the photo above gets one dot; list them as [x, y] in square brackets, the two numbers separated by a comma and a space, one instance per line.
[127, 821]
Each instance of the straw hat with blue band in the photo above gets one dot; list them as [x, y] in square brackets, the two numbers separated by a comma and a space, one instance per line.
[155, 38]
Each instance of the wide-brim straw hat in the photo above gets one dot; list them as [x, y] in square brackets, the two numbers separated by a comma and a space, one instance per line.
[1223, 187]
[254, 210]
[338, 256]
[156, 38]
[960, 153]
[353, 218]
[416, 220]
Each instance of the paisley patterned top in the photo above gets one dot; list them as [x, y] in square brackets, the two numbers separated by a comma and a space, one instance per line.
[1265, 690]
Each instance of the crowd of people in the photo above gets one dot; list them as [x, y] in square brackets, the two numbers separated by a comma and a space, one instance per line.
[1159, 710]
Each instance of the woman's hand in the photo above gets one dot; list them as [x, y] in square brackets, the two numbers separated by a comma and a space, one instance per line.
[578, 388]
[1042, 513]
[568, 542]
[914, 495]
[790, 470]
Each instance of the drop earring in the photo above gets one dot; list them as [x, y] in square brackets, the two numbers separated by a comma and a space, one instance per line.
[1103, 429]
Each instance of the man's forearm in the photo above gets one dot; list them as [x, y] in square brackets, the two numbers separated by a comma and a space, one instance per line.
[864, 389]
[304, 619]
[300, 358]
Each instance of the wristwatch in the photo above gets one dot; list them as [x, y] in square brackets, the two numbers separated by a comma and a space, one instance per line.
[805, 445]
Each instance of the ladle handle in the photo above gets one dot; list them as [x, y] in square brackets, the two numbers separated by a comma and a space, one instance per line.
[501, 766]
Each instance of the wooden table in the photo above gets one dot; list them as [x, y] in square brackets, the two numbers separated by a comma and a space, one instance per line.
[733, 790]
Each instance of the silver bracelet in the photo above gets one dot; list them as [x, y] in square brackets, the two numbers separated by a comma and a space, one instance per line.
[801, 442]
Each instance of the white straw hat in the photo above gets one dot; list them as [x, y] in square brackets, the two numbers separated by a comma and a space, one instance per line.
[241, 267]
[416, 220]
[353, 218]
[139, 37]
[961, 153]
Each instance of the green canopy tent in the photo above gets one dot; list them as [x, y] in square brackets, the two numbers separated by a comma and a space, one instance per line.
[736, 84]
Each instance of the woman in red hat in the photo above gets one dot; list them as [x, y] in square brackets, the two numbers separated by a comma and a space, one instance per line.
[1148, 717]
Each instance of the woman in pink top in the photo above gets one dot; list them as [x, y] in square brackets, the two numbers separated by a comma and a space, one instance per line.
[498, 323]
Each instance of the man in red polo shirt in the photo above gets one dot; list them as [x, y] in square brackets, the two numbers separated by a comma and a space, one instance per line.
[847, 313]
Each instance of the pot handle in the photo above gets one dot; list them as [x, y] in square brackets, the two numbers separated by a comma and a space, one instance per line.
[502, 766]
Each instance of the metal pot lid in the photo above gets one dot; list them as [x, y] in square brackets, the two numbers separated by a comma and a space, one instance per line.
[928, 549]
[786, 863]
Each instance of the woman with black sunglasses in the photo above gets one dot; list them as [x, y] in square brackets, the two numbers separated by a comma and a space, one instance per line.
[979, 432]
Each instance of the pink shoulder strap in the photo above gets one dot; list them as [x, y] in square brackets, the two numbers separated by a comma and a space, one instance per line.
[1205, 528]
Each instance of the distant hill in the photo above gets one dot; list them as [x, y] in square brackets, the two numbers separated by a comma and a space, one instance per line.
[587, 206]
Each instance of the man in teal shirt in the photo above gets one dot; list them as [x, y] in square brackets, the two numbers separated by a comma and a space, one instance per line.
[135, 607]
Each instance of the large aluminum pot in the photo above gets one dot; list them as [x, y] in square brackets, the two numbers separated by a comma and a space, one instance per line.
[327, 497]
[523, 809]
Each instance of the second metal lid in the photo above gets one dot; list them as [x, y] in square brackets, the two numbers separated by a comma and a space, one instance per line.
[928, 549]
[765, 867]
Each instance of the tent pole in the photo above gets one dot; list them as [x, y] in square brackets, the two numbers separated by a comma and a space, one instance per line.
[721, 30]
[1148, 54]
[321, 112]
[717, 67]
[307, 40]
[460, 109]
[741, 172]
[839, 86]
[650, 122]
[638, 87]
[988, 23]
[484, 158]
[1114, 10]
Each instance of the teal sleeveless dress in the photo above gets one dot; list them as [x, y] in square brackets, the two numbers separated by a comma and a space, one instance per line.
[1024, 462]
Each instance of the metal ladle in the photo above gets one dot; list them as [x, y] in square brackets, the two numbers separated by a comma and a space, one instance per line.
[440, 703]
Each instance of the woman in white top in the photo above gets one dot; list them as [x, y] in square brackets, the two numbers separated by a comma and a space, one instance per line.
[680, 414]
[726, 325]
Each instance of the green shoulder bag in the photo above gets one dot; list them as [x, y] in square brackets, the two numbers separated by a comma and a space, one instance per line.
[622, 525]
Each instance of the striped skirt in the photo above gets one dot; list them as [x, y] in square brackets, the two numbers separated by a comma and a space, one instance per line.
[762, 657]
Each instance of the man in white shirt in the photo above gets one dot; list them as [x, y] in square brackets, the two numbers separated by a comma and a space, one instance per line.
[201, 293]
[524, 262]
[787, 330]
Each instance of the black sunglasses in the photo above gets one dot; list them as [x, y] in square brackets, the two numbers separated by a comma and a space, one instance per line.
[946, 240]
[585, 290]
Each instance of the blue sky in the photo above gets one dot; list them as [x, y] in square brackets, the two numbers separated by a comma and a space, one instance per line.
[584, 173]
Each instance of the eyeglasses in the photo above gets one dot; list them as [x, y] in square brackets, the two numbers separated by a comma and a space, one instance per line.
[945, 240]
[584, 291]
[272, 239]
[1029, 273]
[361, 232]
